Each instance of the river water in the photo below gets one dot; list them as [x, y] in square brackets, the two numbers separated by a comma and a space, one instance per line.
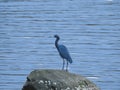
[89, 28]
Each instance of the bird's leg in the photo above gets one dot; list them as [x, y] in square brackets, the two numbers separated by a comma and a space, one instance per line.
[67, 66]
[63, 64]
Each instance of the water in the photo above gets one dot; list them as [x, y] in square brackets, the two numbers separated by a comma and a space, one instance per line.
[90, 29]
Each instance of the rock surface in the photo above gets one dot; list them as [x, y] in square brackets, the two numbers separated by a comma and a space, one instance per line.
[57, 80]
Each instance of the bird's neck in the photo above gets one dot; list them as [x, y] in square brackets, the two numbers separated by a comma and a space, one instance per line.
[56, 42]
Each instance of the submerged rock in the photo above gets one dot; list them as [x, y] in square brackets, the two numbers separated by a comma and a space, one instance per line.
[57, 80]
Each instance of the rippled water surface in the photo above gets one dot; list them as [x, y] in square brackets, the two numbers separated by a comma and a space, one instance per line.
[89, 28]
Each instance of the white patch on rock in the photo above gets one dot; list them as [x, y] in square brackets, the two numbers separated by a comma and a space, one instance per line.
[41, 81]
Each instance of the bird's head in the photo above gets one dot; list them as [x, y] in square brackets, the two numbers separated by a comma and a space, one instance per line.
[56, 36]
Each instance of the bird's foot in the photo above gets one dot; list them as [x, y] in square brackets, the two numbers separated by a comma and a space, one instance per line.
[66, 70]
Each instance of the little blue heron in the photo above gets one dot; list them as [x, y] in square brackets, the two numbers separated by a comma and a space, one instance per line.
[63, 52]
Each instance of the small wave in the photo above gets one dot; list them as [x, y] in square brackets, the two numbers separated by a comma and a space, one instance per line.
[92, 77]
[109, 0]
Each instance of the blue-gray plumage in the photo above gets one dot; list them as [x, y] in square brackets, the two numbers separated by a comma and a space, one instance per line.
[63, 52]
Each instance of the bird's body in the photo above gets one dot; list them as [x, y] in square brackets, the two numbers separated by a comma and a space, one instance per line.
[63, 51]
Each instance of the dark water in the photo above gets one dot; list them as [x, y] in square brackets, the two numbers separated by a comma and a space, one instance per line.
[89, 28]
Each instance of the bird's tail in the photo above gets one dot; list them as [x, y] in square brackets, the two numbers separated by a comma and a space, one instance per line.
[70, 60]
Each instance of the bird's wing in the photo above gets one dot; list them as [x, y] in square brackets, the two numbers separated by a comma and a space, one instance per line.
[64, 53]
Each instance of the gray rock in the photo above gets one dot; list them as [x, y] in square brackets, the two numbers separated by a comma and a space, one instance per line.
[57, 80]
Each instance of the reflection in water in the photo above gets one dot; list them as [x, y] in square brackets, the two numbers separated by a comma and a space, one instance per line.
[89, 29]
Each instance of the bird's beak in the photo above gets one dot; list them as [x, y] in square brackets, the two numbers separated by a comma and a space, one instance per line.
[55, 36]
